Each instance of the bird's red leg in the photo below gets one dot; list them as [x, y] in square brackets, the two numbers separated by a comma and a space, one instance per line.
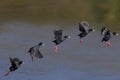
[81, 41]
[56, 48]
[108, 44]
[7, 73]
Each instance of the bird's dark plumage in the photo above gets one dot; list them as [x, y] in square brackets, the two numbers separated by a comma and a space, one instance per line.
[107, 34]
[104, 30]
[59, 36]
[84, 29]
[34, 52]
[15, 63]
[83, 26]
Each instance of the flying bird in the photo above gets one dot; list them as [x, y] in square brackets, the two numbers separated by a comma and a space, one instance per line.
[107, 35]
[15, 64]
[59, 38]
[34, 51]
[84, 30]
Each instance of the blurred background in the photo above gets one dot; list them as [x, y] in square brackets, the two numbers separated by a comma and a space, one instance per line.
[68, 11]
[25, 23]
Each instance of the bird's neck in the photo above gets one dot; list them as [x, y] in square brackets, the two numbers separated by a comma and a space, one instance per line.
[38, 46]
[83, 34]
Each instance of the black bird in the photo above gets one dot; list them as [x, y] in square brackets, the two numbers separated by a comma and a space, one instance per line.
[59, 38]
[107, 34]
[15, 64]
[34, 51]
[84, 29]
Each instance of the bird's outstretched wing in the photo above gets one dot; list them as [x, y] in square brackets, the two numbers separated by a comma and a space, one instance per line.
[30, 50]
[58, 34]
[12, 61]
[16, 60]
[38, 54]
[83, 26]
[104, 30]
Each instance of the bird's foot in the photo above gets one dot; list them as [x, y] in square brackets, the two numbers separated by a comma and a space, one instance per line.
[81, 41]
[7, 73]
[108, 44]
[56, 48]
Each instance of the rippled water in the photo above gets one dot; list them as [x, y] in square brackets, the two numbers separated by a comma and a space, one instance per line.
[90, 61]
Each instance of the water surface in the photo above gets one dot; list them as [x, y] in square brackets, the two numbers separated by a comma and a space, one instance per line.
[90, 61]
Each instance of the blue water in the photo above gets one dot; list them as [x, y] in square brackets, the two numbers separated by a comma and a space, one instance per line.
[90, 61]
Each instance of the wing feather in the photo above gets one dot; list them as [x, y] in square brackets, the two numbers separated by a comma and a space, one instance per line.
[83, 26]
[58, 34]
[12, 61]
[38, 54]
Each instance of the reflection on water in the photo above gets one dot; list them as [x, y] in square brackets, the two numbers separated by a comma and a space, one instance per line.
[90, 61]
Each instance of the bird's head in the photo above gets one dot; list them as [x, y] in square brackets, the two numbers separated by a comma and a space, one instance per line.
[67, 36]
[91, 30]
[114, 33]
[21, 62]
[41, 44]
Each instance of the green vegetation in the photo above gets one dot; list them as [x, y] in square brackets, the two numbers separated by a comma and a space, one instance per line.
[100, 11]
